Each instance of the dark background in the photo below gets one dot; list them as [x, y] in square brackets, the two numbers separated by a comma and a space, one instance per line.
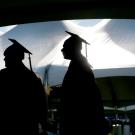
[27, 11]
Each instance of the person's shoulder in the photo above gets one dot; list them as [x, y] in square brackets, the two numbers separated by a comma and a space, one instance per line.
[33, 75]
[28, 71]
[85, 64]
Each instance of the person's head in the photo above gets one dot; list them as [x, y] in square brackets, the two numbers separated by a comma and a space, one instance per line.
[72, 46]
[14, 54]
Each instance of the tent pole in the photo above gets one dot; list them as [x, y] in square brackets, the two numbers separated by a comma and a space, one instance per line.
[86, 51]
[45, 82]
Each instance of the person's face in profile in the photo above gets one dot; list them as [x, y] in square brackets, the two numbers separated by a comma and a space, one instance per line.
[8, 61]
[71, 49]
[67, 50]
[11, 60]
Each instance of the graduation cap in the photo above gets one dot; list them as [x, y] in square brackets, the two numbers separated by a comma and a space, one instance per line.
[77, 37]
[77, 41]
[17, 50]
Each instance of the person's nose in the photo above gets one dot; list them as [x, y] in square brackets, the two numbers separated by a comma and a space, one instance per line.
[62, 50]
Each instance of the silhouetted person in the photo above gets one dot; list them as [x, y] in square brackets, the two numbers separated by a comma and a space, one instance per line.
[23, 102]
[81, 104]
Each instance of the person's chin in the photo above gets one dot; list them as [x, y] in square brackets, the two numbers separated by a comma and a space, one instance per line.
[8, 65]
[65, 57]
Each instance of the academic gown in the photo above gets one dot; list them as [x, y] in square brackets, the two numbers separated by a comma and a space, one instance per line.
[23, 102]
[81, 103]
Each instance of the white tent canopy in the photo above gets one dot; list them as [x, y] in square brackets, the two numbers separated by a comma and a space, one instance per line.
[111, 53]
